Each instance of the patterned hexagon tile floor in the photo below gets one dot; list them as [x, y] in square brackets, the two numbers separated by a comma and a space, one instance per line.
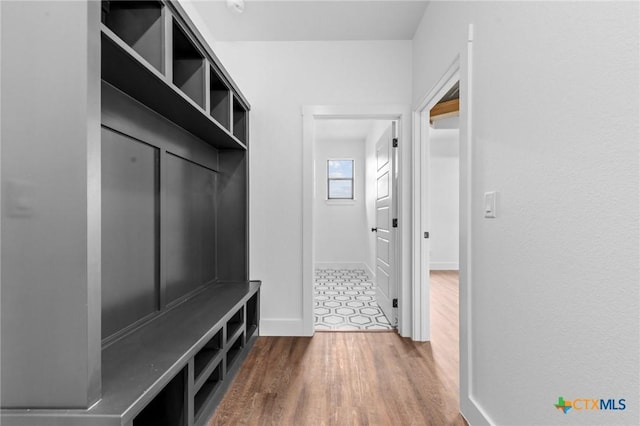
[345, 300]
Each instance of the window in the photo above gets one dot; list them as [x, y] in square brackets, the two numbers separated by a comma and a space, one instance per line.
[340, 179]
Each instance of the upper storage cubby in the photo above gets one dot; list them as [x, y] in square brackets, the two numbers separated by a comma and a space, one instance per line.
[188, 66]
[138, 24]
[151, 53]
[220, 99]
[239, 121]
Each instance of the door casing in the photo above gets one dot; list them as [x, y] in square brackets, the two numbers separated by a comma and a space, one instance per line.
[460, 69]
[401, 114]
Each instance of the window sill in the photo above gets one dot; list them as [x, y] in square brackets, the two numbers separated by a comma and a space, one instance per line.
[340, 202]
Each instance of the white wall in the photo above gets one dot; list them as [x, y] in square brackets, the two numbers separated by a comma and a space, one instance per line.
[555, 301]
[278, 78]
[340, 225]
[443, 198]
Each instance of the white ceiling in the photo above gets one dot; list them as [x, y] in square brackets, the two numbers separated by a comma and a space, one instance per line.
[307, 20]
[342, 129]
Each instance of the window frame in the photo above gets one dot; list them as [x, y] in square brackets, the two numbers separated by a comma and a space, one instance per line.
[352, 179]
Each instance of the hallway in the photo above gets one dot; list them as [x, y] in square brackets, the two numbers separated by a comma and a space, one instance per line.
[353, 378]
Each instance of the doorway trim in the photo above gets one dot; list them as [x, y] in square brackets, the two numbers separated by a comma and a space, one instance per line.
[461, 69]
[401, 113]
[421, 208]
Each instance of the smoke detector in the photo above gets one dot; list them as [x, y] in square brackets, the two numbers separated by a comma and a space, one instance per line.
[236, 5]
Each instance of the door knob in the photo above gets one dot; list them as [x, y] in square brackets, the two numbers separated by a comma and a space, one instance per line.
[374, 229]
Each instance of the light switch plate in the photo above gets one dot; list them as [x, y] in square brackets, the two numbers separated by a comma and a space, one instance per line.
[490, 204]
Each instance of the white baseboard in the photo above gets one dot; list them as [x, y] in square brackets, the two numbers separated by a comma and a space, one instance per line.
[473, 413]
[282, 327]
[444, 266]
[370, 271]
[341, 265]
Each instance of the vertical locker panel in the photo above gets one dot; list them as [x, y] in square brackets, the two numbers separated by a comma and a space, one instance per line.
[190, 226]
[232, 216]
[129, 231]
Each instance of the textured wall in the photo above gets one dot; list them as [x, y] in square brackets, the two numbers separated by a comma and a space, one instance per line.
[554, 280]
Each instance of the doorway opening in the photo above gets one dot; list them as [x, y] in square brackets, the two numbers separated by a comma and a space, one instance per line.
[460, 73]
[442, 190]
[354, 207]
[443, 194]
[437, 180]
[352, 264]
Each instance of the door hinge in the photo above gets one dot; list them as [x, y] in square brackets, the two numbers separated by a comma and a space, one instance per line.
[426, 235]
[394, 303]
[395, 142]
[395, 223]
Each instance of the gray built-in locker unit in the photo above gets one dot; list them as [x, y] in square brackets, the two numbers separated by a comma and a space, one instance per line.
[161, 306]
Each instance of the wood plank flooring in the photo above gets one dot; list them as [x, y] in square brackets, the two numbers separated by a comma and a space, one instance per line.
[355, 378]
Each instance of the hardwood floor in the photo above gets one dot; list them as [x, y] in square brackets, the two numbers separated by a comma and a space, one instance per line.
[444, 325]
[353, 378]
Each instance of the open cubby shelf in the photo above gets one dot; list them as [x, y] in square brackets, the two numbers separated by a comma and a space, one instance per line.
[239, 121]
[235, 323]
[220, 99]
[252, 315]
[188, 66]
[207, 356]
[234, 350]
[139, 25]
[167, 408]
[205, 392]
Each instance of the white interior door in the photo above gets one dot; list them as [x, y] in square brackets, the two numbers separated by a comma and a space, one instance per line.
[386, 290]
